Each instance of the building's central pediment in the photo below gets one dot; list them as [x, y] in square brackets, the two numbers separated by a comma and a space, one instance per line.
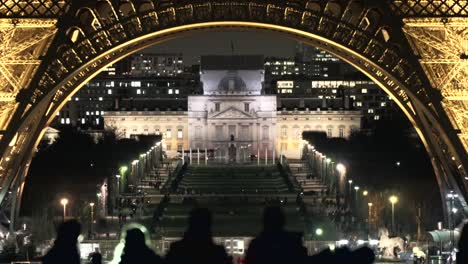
[231, 113]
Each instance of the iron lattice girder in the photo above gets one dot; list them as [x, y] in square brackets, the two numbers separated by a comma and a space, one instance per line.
[349, 28]
[430, 8]
[33, 8]
[442, 45]
[22, 43]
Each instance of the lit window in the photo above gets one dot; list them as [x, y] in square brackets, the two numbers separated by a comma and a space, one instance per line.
[383, 104]
[334, 91]
[370, 111]
[102, 112]
[176, 91]
[97, 112]
[83, 120]
[87, 112]
[77, 99]
[135, 84]
[62, 121]
[284, 132]
[169, 91]
[138, 91]
[363, 90]
[109, 91]
[168, 133]
[97, 121]
[359, 104]
[376, 117]
[100, 98]
[180, 134]
[67, 120]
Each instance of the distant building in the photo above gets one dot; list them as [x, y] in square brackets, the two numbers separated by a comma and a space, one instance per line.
[86, 107]
[316, 79]
[157, 65]
[234, 113]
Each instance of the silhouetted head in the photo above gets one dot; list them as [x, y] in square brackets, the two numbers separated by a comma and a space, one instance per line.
[463, 242]
[363, 255]
[273, 218]
[134, 238]
[199, 224]
[68, 232]
[342, 255]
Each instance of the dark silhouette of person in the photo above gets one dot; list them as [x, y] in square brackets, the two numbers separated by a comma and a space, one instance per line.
[197, 245]
[462, 254]
[274, 244]
[363, 255]
[136, 250]
[95, 257]
[65, 248]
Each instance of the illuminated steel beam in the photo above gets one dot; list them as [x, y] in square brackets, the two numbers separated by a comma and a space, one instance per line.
[21, 62]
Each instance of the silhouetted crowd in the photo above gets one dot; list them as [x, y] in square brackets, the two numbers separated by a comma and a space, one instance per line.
[274, 245]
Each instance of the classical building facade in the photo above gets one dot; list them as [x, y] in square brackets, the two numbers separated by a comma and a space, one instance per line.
[234, 113]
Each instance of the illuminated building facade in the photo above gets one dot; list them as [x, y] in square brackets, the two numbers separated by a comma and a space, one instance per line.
[233, 110]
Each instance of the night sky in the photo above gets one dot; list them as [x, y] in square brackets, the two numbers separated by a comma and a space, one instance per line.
[219, 43]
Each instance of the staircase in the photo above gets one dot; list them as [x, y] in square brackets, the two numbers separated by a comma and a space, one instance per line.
[306, 178]
[236, 195]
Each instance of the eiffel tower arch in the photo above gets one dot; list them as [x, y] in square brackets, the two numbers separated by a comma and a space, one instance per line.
[415, 50]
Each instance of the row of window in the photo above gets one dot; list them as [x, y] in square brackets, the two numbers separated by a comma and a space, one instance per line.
[167, 133]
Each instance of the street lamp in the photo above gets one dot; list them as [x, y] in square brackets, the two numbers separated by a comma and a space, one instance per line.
[64, 202]
[365, 193]
[92, 219]
[319, 231]
[369, 217]
[356, 188]
[118, 183]
[452, 211]
[393, 200]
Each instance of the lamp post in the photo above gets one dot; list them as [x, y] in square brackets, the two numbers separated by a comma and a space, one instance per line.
[64, 202]
[369, 217]
[350, 193]
[393, 200]
[452, 211]
[118, 183]
[356, 188]
[91, 224]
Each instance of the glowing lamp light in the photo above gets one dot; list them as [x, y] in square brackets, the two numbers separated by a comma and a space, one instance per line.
[340, 167]
[123, 169]
[365, 193]
[356, 188]
[350, 181]
[64, 201]
[319, 231]
[393, 199]
[342, 242]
